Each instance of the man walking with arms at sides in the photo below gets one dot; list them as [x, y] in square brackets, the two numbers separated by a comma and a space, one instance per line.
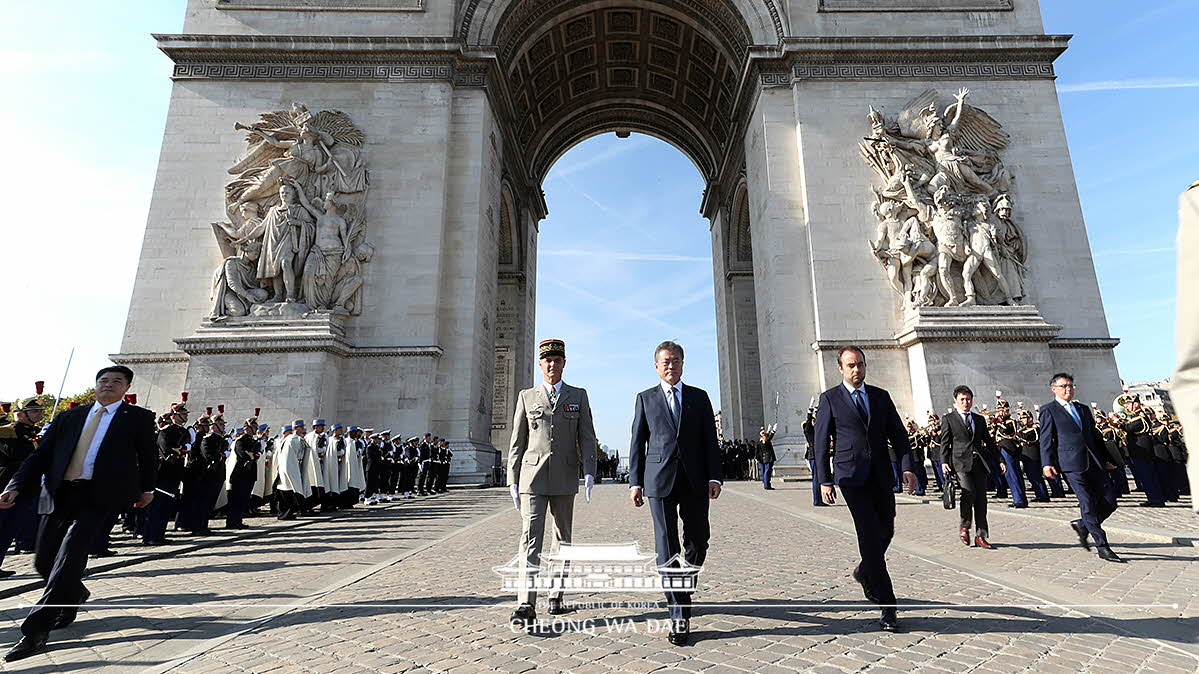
[553, 436]
[1073, 447]
[95, 460]
[965, 448]
[859, 420]
[675, 462]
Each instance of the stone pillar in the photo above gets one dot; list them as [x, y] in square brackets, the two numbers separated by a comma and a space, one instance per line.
[774, 163]
[464, 387]
[746, 365]
[725, 339]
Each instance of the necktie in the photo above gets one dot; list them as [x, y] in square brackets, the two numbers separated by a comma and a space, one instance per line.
[553, 397]
[968, 422]
[1074, 414]
[857, 400]
[674, 407]
[75, 467]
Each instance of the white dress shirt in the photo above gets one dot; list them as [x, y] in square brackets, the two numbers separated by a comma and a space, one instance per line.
[89, 460]
[552, 389]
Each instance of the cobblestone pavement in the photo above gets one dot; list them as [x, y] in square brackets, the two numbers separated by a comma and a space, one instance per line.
[411, 588]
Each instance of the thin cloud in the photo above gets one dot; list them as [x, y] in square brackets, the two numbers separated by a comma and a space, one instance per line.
[1125, 85]
[565, 168]
[623, 256]
[620, 307]
[1127, 252]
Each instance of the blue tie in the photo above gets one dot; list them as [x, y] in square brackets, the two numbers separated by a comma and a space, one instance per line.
[857, 400]
[1074, 414]
[674, 407]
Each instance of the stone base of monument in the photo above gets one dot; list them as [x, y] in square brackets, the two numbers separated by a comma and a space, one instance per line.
[305, 367]
[290, 367]
[987, 348]
[475, 464]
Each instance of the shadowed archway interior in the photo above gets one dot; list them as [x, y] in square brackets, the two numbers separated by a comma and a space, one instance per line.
[668, 68]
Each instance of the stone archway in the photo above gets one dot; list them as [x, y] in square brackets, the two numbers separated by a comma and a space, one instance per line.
[671, 69]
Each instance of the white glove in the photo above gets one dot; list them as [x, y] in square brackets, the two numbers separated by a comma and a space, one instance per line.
[515, 496]
[588, 483]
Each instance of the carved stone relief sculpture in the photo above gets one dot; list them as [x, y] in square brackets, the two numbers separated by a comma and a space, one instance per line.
[945, 232]
[295, 241]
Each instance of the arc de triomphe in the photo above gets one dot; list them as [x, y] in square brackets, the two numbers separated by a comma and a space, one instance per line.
[892, 173]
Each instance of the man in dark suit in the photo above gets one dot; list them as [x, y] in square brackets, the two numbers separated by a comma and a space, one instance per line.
[1071, 445]
[674, 460]
[859, 420]
[966, 450]
[96, 460]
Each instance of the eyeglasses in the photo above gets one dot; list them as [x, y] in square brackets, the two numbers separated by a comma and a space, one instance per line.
[1063, 386]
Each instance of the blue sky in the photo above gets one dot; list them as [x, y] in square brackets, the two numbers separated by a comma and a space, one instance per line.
[85, 109]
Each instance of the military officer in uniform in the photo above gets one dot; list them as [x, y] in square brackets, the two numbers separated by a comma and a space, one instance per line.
[553, 437]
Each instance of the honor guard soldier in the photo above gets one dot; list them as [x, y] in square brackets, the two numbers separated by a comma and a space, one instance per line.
[424, 456]
[1029, 443]
[173, 443]
[553, 438]
[242, 469]
[18, 439]
[289, 459]
[932, 447]
[377, 469]
[1005, 431]
[407, 463]
[1148, 471]
[443, 468]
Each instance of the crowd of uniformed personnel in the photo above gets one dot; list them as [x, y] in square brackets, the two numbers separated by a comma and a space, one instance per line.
[1150, 444]
[207, 469]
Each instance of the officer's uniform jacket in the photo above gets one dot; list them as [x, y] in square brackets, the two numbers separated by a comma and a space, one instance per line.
[550, 444]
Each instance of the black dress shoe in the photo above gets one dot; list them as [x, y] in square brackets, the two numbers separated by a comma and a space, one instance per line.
[1106, 554]
[889, 620]
[556, 607]
[29, 644]
[524, 615]
[857, 575]
[680, 632]
[7, 573]
[161, 541]
[1151, 504]
[1079, 529]
[103, 553]
[1041, 500]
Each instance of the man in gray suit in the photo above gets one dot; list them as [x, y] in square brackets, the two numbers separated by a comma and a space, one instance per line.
[552, 436]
